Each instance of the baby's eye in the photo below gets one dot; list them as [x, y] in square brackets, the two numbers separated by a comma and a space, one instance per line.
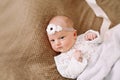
[52, 40]
[62, 37]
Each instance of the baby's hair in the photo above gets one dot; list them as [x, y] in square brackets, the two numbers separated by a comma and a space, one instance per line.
[68, 23]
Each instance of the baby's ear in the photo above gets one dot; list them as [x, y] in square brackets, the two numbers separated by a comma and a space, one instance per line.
[75, 33]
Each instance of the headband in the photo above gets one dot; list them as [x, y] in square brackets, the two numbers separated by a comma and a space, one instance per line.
[52, 28]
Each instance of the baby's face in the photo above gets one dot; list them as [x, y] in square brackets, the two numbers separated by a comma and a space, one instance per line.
[62, 41]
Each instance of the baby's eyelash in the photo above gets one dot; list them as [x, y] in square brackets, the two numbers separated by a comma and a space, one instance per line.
[62, 37]
[52, 40]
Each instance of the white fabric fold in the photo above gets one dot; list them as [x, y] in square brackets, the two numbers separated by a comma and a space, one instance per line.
[100, 13]
[106, 65]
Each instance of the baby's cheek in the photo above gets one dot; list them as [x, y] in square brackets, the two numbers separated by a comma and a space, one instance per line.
[65, 44]
[68, 45]
[52, 46]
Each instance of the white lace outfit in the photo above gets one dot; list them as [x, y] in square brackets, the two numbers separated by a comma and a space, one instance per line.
[68, 66]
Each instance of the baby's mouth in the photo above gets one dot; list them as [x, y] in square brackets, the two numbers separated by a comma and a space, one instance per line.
[59, 48]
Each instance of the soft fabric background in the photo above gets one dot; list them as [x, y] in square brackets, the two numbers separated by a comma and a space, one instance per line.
[25, 53]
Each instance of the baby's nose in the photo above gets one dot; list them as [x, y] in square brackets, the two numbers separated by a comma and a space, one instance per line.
[58, 43]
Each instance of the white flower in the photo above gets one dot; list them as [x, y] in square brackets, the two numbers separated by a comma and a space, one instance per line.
[52, 28]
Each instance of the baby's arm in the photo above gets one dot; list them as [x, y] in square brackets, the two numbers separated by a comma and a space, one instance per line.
[71, 69]
[92, 36]
[78, 55]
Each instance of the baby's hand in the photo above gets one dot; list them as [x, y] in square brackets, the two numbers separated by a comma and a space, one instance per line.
[90, 36]
[78, 55]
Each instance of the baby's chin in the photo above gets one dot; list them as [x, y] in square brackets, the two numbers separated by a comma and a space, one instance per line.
[62, 51]
[59, 51]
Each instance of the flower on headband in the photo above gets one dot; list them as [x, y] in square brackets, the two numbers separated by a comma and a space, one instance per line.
[52, 28]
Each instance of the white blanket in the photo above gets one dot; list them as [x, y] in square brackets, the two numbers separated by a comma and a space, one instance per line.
[107, 66]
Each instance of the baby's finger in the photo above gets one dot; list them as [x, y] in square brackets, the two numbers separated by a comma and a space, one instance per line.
[94, 36]
[89, 37]
[86, 37]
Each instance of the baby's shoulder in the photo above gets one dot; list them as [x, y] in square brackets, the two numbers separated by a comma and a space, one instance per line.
[80, 39]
